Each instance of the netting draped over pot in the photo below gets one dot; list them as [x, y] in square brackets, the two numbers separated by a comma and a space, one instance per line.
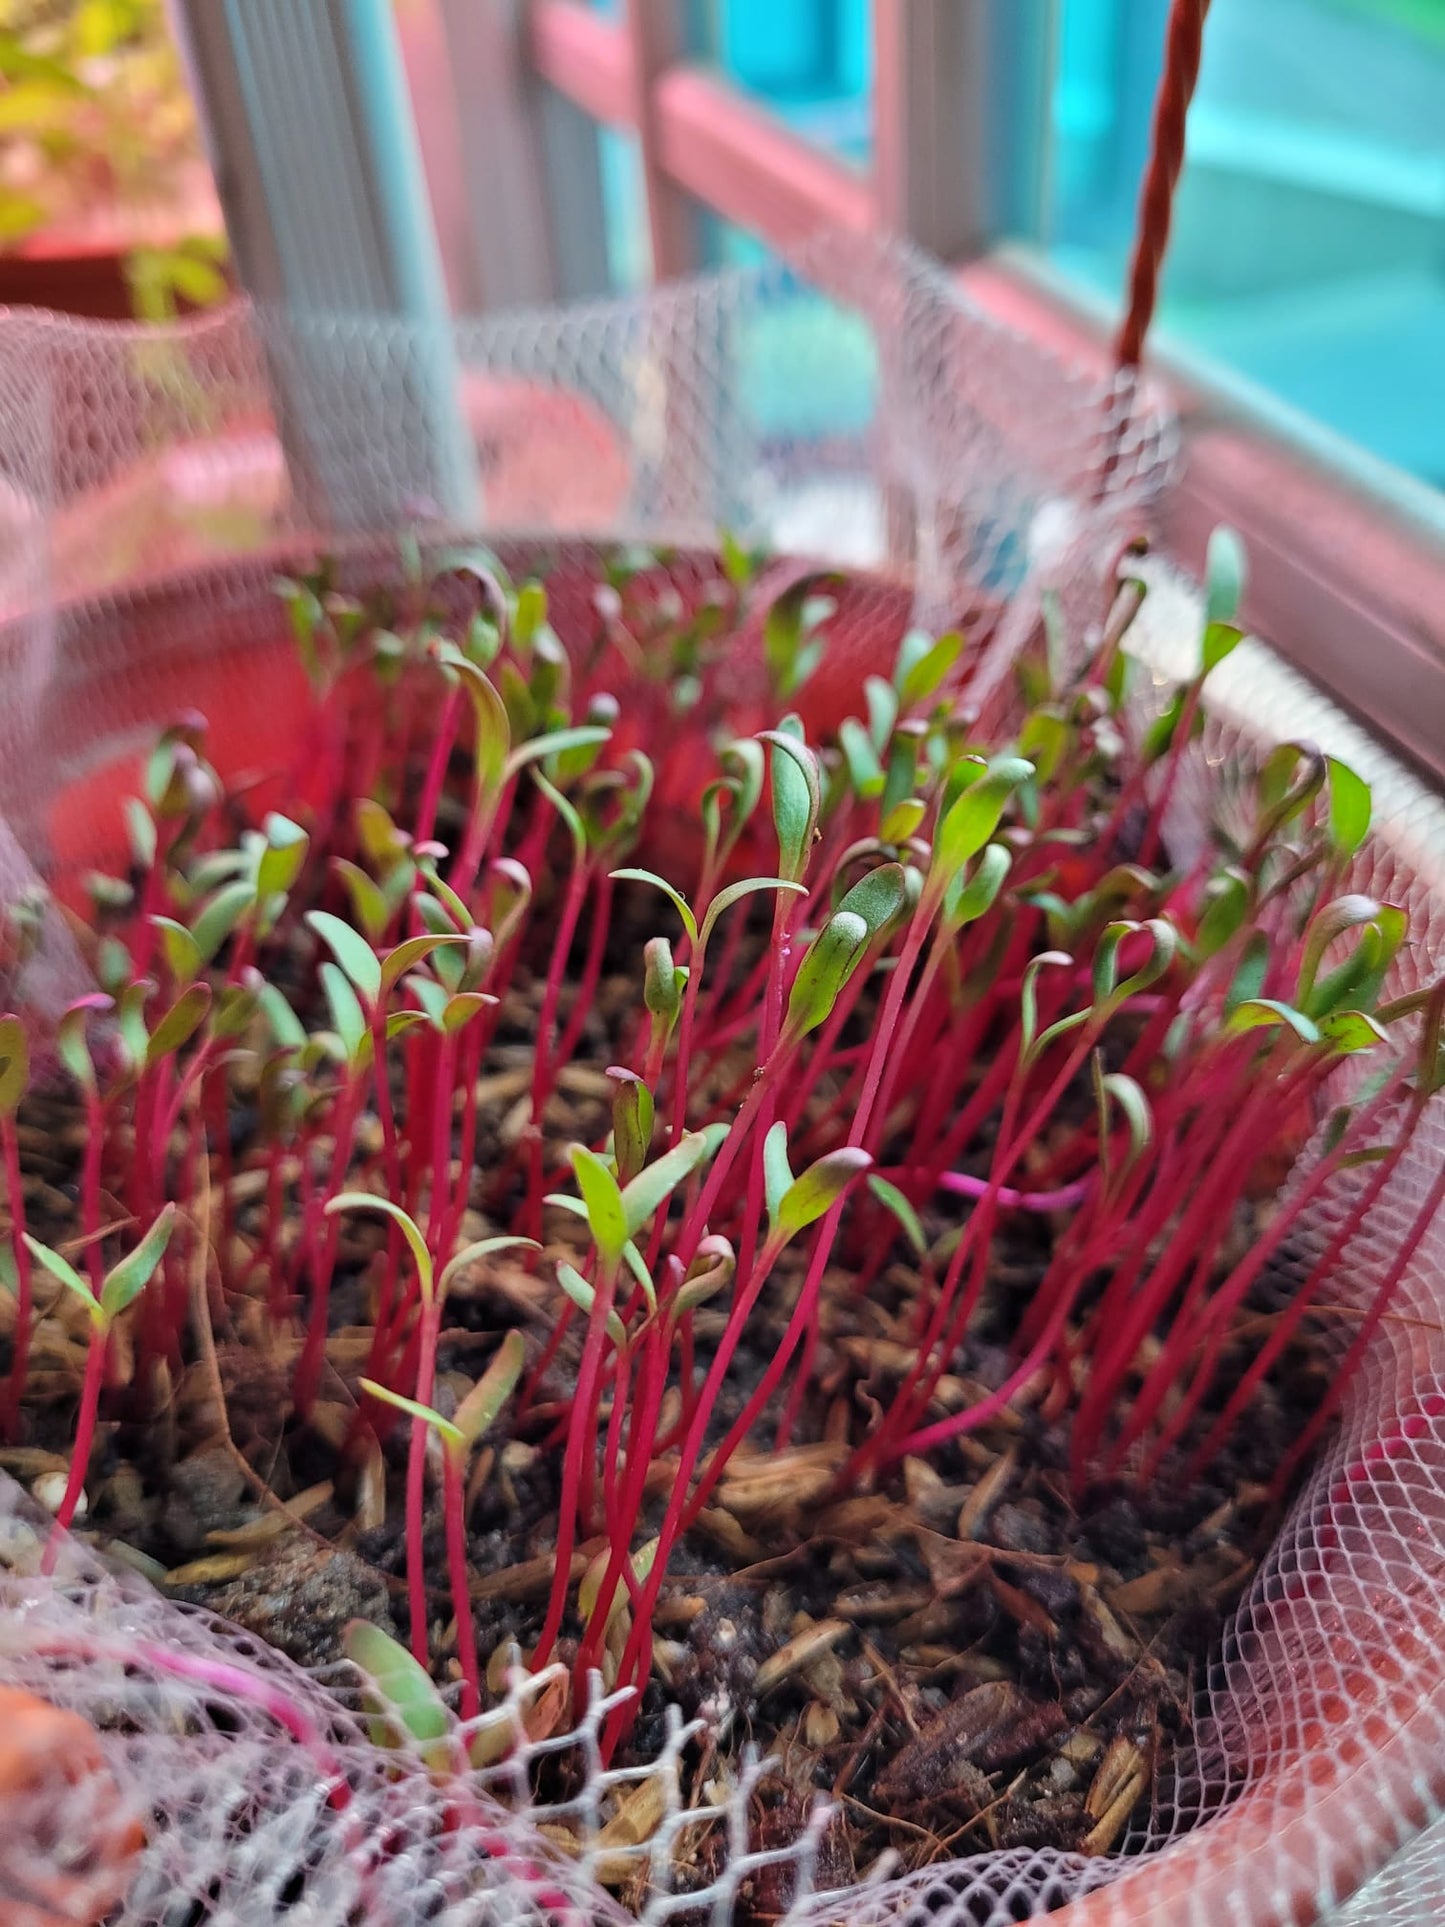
[853, 414]
[850, 410]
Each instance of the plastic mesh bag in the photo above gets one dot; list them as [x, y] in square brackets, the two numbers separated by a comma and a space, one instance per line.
[854, 414]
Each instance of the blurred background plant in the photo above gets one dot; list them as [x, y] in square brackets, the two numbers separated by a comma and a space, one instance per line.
[100, 145]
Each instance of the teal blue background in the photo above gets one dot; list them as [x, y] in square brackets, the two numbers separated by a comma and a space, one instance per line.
[1309, 246]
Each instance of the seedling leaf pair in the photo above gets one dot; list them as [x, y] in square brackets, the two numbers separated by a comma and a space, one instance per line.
[124, 1282]
[795, 1203]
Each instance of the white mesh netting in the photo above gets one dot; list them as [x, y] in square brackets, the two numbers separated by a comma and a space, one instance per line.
[857, 414]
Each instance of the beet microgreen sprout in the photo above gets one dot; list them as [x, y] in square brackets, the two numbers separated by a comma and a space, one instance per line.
[792, 647]
[404, 1705]
[432, 1289]
[120, 1288]
[698, 936]
[458, 1437]
[615, 1214]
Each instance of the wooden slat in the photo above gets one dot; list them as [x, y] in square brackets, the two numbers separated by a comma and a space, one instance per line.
[584, 56]
[653, 29]
[962, 134]
[699, 133]
[930, 153]
[740, 160]
[496, 108]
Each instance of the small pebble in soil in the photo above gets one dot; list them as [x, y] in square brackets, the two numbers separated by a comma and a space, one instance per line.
[299, 1597]
[207, 1494]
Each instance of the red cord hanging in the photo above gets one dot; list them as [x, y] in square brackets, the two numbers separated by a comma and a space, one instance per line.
[1161, 178]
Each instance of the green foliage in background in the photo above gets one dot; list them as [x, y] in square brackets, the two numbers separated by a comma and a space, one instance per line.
[95, 114]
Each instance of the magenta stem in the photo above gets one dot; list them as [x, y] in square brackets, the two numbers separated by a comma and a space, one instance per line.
[454, 1499]
[20, 1363]
[1068, 1198]
[416, 1487]
[84, 1439]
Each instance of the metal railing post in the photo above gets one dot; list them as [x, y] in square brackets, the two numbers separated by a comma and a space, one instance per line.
[317, 164]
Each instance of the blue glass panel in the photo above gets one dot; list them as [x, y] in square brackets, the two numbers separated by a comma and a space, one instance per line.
[810, 61]
[1309, 250]
[624, 207]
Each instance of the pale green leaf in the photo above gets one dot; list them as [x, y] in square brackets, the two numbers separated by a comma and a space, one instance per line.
[482, 1248]
[182, 952]
[974, 815]
[661, 980]
[797, 799]
[735, 892]
[14, 1065]
[1029, 995]
[576, 1287]
[125, 1281]
[777, 1173]
[142, 827]
[494, 731]
[348, 1019]
[283, 856]
[463, 1007]
[1226, 905]
[576, 828]
[675, 897]
[865, 773]
[882, 700]
[969, 897]
[1332, 921]
[1349, 807]
[405, 1688]
[902, 820]
[892, 1199]
[830, 960]
[131, 1023]
[369, 905]
[819, 1188]
[450, 1433]
[180, 1023]
[929, 668]
[1129, 1097]
[68, 1276]
[219, 917]
[396, 963]
[584, 735]
[70, 1043]
[286, 1026]
[1263, 1012]
[1224, 576]
[1348, 1031]
[656, 1182]
[1221, 639]
[606, 1216]
[1250, 974]
[480, 1409]
[368, 1201]
[351, 950]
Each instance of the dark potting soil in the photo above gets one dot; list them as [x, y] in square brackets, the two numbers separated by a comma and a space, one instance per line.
[968, 1655]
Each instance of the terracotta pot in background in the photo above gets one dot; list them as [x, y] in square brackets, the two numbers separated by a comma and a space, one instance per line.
[71, 277]
[83, 272]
